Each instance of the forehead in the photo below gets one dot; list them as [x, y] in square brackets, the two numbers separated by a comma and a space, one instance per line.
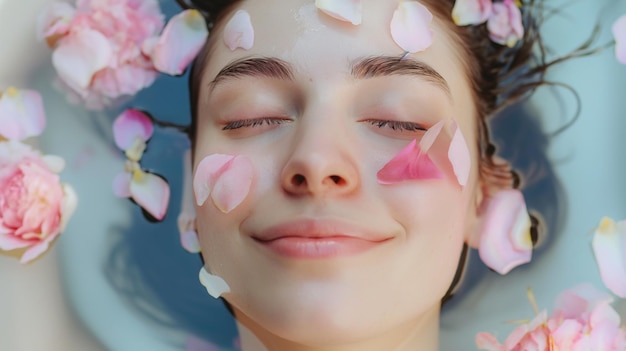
[322, 48]
[296, 31]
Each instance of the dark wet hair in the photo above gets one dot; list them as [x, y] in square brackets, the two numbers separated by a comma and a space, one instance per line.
[161, 279]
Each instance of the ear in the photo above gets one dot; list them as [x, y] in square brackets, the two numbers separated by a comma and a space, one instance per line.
[187, 217]
[502, 229]
[495, 175]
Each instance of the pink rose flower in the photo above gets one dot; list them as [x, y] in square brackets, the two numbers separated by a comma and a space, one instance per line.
[34, 205]
[584, 320]
[98, 47]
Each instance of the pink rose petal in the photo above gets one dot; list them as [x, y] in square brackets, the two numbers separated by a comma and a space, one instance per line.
[80, 56]
[9, 242]
[410, 26]
[471, 12]
[487, 342]
[233, 185]
[609, 248]
[151, 192]
[121, 185]
[36, 250]
[505, 23]
[68, 205]
[238, 32]
[343, 10]
[207, 173]
[505, 241]
[619, 33]
[410, 164]
[179, 44]
[131, 125]
[55, 20]
[459, 156]
[55, 164]
[21, 114]
[189, 241]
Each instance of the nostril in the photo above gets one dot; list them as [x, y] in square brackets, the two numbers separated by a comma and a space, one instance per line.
[298, 180]
[338, 180]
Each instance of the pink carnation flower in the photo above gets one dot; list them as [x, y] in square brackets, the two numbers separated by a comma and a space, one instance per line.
[34, 205]
[98, 46]
[584, 320]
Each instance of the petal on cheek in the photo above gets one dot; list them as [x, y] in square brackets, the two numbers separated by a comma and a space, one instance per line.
[343, 10]
[410, 164]
[233, 186]
[410, 26]
[505, 241]
[214, 285]
[227, 179]
[459, 156]
[238, 32]
[207, 172]
[609, 247]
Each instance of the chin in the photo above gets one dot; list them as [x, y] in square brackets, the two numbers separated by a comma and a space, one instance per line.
[323, 316]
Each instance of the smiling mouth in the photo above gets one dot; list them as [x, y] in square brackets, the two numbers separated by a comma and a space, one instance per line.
[317, 239]
[318, 247]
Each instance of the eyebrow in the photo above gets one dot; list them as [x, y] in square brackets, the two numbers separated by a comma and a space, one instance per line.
[364, 68]
[268, 67]
[380, 66]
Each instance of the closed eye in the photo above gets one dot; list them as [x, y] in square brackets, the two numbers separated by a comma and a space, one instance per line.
[254, 122]
[400, 126]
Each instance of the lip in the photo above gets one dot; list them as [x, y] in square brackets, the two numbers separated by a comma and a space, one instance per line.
[316, 238]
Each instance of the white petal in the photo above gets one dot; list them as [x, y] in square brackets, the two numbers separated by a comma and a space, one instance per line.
[343, 10]
[214, 285]
[238, 32]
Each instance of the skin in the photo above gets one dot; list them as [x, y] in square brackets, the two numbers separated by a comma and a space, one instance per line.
[320, 162]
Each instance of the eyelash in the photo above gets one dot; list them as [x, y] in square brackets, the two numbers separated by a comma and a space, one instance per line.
[399, 126]
[255, 122]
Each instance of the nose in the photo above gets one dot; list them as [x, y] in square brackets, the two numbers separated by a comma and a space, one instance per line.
[322, 163]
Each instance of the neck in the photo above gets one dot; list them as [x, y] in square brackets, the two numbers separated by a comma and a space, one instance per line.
[418, 335]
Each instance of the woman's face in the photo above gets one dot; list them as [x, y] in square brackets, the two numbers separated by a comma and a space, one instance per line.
[320, 137]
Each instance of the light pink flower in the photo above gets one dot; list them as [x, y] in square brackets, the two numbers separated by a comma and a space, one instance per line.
[583, 321]
[533, 336]
[97, 49]
[609, 248]
[34, 205]
[410, 26]
[505, 241]
[471, 12]
[619, 33]
[344, 10]
[225, 178]
[505, 23]
[21, 114]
